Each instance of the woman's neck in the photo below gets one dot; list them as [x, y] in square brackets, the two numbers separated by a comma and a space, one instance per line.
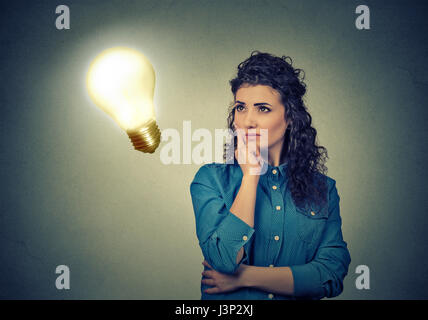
[274, 155]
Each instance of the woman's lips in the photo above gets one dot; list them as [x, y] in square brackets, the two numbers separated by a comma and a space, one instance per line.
[252, 136]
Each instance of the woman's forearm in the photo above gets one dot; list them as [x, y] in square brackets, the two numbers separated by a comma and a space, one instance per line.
[276, 280]
[245, 201]
[240, 255]
[244, 204]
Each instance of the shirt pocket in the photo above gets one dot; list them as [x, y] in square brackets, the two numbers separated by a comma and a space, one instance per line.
[310, 224]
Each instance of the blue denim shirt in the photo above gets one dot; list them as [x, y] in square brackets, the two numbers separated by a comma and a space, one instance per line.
[308, 241]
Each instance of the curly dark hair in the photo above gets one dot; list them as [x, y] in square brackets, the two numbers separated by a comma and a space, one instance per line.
[305, 170]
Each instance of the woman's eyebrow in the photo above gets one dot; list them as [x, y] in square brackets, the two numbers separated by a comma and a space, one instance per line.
[256, 104]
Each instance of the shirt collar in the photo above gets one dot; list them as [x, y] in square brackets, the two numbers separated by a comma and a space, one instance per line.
[282, 167]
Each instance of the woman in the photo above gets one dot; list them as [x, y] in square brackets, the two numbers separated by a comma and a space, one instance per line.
[272, 234]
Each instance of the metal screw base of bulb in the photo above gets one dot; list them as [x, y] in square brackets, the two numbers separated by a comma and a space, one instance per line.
[146, 138]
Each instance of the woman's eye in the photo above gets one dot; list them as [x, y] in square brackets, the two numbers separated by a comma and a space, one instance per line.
[264, 108]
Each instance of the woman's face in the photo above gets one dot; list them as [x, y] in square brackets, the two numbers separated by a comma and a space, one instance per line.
[259, 107]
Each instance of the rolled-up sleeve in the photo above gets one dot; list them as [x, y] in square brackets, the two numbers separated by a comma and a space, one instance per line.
[221, 234]
[324, 275]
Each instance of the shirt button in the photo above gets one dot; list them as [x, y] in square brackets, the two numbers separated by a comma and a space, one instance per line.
[276, 238]
[274, 171]
[312, 213]
[270, 295]
[274, 187]
[271, 266]
[245, 238]
[278, 207]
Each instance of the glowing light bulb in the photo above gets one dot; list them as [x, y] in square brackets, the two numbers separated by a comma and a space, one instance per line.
[121, 81]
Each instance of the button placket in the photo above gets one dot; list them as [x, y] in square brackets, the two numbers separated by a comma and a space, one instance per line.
[277, 218]
[277, 201]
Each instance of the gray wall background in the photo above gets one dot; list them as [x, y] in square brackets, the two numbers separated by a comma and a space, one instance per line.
[74, 192]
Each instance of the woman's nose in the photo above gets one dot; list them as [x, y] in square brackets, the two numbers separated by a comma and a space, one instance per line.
[250, 120]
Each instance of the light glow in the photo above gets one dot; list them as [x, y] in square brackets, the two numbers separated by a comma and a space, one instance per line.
[121, 81]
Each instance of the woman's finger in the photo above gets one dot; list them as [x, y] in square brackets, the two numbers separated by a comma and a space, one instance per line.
[207, 273]
[239, 141]
[212, 290]
[209, 282]
[205, 263]
[241, 149]
[258, 156]
[257, 151]
[241, 137]
[252, 158]
[252, 151]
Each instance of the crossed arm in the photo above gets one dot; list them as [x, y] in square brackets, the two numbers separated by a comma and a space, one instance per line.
[276, 280]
